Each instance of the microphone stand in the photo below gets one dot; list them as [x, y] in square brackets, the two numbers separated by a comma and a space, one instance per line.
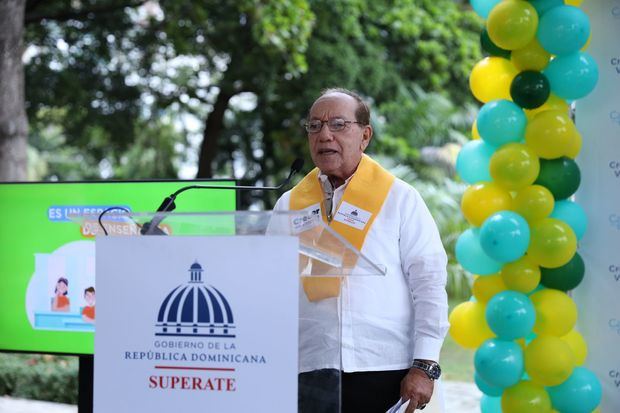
[168, 205]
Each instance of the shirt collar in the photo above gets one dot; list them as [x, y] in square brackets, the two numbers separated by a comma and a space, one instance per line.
[327, 185]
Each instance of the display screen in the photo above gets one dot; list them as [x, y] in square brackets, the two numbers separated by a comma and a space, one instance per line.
[47, 259]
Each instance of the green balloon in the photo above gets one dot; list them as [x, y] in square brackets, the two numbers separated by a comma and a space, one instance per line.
[530, 89]
[566, 277]
[561, 176]
[491, 48]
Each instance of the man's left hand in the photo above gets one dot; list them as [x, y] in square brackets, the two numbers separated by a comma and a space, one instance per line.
[417, 388]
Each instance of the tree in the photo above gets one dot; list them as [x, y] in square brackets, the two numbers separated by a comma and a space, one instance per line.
[110, 66]
[13, 122]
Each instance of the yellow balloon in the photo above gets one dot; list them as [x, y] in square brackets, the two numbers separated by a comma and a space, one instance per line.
[468, 325]
[553, 103]
[556, 312]
[514, 166]
[575, 3]
[533, 202]
[552, 242]
[578, 345]
[485, 287]
[482, 200]
[531, 57]
[512, 24]
[522, 275]
[574, 146]
[549, 360]
[526, 397]
[491, 78]
[550, 133]
[474, 130]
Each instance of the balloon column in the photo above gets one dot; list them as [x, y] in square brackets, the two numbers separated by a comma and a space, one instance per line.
[522, 246]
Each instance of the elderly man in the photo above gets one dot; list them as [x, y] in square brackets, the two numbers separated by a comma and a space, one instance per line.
[393, 326]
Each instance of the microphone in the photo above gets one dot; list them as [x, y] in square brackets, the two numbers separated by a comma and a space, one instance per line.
[168, 205]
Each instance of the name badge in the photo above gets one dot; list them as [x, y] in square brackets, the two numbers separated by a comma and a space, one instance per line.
[352, 216]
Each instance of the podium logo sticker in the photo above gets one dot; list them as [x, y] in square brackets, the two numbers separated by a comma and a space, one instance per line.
[195, 310]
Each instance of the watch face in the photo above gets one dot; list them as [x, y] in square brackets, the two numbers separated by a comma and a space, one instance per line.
[435, 371]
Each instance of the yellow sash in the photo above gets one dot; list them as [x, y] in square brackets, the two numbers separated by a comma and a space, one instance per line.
[367, 191]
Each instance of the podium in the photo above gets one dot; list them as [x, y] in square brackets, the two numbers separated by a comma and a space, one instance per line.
[225, 312]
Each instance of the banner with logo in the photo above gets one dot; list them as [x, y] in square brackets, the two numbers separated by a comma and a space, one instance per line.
[196, 324]
[598, 120]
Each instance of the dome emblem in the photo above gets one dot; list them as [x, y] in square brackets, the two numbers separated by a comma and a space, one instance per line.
[195, 310]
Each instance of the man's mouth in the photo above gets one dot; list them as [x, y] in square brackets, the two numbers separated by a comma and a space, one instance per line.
[327, 151]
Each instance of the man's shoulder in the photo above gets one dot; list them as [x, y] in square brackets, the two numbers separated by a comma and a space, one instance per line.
[405, 189]
[283, 201]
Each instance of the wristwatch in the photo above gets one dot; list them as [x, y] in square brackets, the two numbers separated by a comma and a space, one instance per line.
[431, 368]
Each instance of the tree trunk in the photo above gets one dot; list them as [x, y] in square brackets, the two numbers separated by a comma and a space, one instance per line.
[213, 129]
[13, 121]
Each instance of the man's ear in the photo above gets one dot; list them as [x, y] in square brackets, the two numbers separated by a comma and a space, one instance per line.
[366, 137]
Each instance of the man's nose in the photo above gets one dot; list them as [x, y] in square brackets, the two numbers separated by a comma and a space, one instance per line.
[325, 134]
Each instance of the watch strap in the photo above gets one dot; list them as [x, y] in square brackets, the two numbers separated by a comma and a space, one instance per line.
[430, 368]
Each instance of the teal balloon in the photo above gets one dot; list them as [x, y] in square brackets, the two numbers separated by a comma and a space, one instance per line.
[563, 30]
[572, 76]
[483, 7]
[491, 48]
[490, 404]
[486, 388]
[560, 176]
[580, 393]
[573, 214]
[510, 315]
[566, 277]
[472, 163]
[470, 255]
[542, 6]
[499, 362]
[530, 89]
[501, 121]
[505, 236]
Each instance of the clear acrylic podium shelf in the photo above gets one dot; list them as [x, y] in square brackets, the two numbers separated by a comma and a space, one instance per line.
[322, 252]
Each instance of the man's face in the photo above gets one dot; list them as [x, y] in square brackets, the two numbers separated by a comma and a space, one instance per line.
[337, 154]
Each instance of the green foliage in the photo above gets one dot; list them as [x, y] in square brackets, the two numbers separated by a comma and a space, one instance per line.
[443, 200]
[115, 69]
[50, 378]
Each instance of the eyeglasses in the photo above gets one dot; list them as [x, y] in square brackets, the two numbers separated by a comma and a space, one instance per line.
[333, 124]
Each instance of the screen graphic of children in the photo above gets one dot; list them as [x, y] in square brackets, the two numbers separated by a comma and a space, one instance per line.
[60, 302]
[88, 312]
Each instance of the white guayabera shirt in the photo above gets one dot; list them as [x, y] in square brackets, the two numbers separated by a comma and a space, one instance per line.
[386, 321]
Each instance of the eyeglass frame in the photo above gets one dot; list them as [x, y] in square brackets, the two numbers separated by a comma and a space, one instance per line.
[324, 122]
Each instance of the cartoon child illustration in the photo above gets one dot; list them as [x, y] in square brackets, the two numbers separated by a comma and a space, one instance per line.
[88, 312]
[60, 302]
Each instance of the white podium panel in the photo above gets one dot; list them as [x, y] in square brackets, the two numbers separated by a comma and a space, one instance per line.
[196, 324]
